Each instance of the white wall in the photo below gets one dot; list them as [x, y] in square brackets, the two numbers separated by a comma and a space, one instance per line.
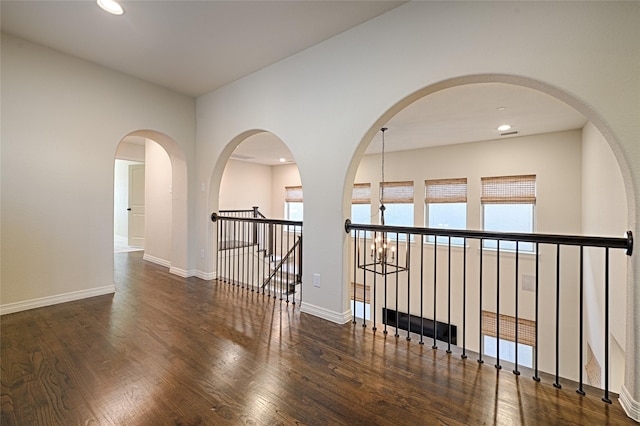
[353, 83]
[555, 159]
[157, 204]
[245, 185]
[282, 176]
[604, 213]
[62, 119]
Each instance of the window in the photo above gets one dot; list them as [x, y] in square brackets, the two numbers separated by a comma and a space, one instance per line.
[446, 206]
[526, 338]
[361, 203]
[293, 207]
[398, 200]
[508, 205]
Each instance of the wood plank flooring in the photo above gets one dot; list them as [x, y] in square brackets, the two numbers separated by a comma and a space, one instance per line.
[171, 351]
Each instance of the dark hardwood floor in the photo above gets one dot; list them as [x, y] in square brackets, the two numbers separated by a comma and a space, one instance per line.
[170, 351]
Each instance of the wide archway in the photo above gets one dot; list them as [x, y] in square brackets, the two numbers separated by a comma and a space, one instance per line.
[588, 189]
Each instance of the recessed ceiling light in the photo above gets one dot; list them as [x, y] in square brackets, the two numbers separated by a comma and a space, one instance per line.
[111, 6]
[282, 160]
[504, 127]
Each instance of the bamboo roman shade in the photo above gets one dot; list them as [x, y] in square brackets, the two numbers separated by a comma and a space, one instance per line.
[396, 192]
[526, 328]
[509, 190]
[293, 194]
[446, 190]
[361, 193]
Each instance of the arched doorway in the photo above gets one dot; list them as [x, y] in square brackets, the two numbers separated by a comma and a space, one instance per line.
[447, 153]
[165, 198]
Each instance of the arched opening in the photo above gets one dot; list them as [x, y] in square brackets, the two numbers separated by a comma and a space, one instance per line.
[450, 130]
[256, 173]
[164, 201]
[254, 177]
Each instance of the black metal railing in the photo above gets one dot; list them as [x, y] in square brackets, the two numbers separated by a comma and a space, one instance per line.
[259, 254]
[383, 262]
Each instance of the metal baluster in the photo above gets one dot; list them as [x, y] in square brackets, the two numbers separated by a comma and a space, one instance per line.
[464, 298]
[580, 390]
[242, 249]
[233, 272]
[435, 285]
[364, 283]
[383, 265]
[449, 298]
[605, 398]
[397, 278]
[537, 347]
[480, 349]
[516, 371]
[421, 292]
[290, 266]
[497, 365]
[356, 261]
[373, 307]
[282, 252]
[407, 262]
[557, 381]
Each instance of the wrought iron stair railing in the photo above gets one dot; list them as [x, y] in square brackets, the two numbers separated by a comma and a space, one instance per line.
[415, 282]
[259, 254]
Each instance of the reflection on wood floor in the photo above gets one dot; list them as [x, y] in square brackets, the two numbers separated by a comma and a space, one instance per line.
[168, 350]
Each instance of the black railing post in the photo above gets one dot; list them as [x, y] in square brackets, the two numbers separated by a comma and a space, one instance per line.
[606, 398]
[464, 298]
[516, 371]
[557, 381]
[497, 365]
[407, 262]
[356, 259]
[435, 285]
[397, 278]
[480, 343]
[537, 346]
[580, 390]
[421, 291]
[449, 296]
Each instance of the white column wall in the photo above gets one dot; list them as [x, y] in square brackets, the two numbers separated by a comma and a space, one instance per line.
[62, 120]
[326, 103]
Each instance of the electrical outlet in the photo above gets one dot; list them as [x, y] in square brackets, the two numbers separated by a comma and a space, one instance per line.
[316, 280]
[201, 253]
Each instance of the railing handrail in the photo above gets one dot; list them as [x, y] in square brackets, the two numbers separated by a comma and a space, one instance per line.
[284, 259]
[575, 240]
[215, 217]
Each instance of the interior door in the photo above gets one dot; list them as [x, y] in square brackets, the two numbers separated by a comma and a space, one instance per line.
[136, 205]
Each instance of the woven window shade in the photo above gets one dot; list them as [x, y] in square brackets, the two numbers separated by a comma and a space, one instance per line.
[293, 194]
[446, 190]
[396, 192]
[363, 293]
[361, 193]
[509, 190]
[526, 328]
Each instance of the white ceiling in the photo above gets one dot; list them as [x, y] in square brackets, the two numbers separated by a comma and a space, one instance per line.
[194, 47]
[191, 47]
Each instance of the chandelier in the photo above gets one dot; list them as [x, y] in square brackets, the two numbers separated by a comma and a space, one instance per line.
[383, 256]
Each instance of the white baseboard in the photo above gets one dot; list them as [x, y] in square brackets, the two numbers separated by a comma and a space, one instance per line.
[631, 406]
[340, 318]
[207, 276]
[156, 260]
[181, 272]
[40, 302]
